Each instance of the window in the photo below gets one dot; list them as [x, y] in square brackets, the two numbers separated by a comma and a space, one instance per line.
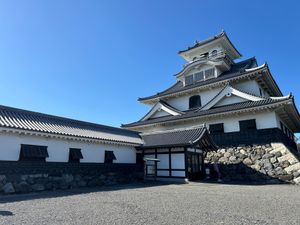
[210, 73]
[109, 157]
[247, 125]
[214, 53]
[216, 128]
[189, 80]
[199, 76]
[75, 155]
[194, 102]
[33, 153]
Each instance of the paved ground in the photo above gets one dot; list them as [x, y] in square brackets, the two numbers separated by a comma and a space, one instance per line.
[167, 204]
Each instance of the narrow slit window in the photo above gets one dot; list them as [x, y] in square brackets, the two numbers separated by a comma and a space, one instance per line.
[33, 153]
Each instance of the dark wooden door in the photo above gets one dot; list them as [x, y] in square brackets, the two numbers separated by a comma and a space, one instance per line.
[194, 166]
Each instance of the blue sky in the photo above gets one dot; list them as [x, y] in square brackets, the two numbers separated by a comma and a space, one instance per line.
[91, 60]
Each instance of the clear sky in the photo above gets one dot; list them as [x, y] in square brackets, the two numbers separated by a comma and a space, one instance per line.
[91, 60]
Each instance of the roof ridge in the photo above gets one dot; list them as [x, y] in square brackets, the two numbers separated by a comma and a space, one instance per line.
[198, 43]
[169, 106]
[220, 78]
[212, 111]
[178, 81]
[249, 93]
[64, 119]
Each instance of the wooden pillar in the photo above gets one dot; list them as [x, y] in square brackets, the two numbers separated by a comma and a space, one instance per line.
[170, 163]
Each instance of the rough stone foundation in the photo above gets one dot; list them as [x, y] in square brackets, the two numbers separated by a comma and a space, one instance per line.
[24, 177]
[264, 163]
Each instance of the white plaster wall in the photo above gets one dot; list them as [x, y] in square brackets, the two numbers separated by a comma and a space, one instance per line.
[250, 86]
[178, 173]
[230, 100]
[163, 173]
[264, 120]
[58, 149]
[178, 161]
[182, 103]
[160, 114]
[164, 161]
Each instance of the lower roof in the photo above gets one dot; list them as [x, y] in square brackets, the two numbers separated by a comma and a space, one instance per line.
[196, 136]
[38, 122]
[191, 114]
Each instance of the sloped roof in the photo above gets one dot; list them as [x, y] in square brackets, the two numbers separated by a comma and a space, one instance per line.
[212, 111]
[236, 70]
[162, 105]
[228, 89]
[204, 42]
[39, 122]
[179, 137]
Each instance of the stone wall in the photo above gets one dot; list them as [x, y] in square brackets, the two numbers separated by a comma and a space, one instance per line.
[250, 137]
[23, 177]
[261, 163]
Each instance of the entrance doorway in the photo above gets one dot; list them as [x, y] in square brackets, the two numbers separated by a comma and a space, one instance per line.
[194, 165]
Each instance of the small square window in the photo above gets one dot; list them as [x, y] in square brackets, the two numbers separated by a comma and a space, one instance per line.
[199, 76]
[216, 128]
[189, 80]
[247, 125]
[109, 157]
[75, 155]
[210, 73]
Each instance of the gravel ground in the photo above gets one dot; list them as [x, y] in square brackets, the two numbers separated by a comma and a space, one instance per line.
[194, 203]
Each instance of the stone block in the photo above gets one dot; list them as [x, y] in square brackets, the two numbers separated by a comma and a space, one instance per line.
[22, 187]
[287, 177]
[2, 179]
[38, 187]
[8, 188]
[297, 180]
[247, 161]
[294, 167]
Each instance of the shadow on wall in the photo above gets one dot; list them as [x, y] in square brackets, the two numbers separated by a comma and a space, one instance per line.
[77, 191]
[242, 174]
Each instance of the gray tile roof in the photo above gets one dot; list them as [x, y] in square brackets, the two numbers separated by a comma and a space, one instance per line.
[201, 43]
[236, 70]
[198, 113]
[39, 122]
[180, 137]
